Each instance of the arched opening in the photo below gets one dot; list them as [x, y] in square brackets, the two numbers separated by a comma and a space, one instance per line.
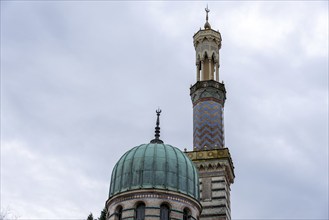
[140, 211]
[164, 212]
[186, 214]
[212, 67]
[118, 213]
[205, 67]
[198, 68]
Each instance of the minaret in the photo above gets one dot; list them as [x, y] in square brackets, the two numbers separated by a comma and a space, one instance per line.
[212, 158]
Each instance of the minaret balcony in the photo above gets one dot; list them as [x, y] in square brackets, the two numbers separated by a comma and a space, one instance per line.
[209, 89]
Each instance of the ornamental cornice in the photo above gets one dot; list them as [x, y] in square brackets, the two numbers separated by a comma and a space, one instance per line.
[141, 194]
[205, 90]
[211, 165]
[208, 34]
[207, 84]
[214, 159]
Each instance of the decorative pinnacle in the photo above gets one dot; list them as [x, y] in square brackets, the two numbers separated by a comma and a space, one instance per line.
[157, 129]
[207, 25]
[207, 11]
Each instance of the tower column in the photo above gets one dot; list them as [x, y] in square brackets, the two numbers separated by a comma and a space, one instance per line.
[202, 70]
[217, 71]
[210, 155]
[208, 98]
[210, 70]
[197, 72]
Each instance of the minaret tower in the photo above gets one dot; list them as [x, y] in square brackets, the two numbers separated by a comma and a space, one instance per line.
[211, 157]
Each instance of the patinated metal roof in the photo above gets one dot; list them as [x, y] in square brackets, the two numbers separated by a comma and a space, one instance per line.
[155, 165]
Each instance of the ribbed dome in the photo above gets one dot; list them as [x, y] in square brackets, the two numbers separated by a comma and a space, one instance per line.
[155, 165]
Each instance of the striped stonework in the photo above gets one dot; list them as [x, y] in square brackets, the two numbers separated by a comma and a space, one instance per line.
[208, 129]
[152, 199]
[216, 172]
[208, 98]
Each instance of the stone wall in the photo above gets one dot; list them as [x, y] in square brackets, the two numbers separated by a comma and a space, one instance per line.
[152, 199]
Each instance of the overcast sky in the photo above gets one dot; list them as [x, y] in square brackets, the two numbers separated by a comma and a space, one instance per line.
[81, 80]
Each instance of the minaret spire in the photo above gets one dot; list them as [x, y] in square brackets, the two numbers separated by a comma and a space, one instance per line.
[208, 94]
[157, 129]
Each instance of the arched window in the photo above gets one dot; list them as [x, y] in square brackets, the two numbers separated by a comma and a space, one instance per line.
[118, 213]
[140, 211]
[164, 212]
[186, 214]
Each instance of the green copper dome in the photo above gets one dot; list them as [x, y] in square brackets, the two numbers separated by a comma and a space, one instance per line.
[155, 166]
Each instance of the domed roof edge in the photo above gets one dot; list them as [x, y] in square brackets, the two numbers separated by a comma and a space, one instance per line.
[154, 165]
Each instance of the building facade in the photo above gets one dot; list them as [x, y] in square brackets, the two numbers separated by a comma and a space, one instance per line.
[159, 181]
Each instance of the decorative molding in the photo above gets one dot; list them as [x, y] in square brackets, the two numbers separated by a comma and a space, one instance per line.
[209, 154]
[213, 160]
[208, 89]
[153, 194]
[208, 34]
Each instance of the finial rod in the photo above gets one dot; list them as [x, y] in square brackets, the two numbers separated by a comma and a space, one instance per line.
[157, 128]
[207, 11]
[207, 25]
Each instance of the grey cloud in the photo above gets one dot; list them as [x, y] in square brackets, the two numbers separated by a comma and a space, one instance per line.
[81, 82]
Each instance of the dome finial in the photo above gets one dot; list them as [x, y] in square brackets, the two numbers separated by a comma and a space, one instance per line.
[207, 11]
[207, 25]
[157, 129]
